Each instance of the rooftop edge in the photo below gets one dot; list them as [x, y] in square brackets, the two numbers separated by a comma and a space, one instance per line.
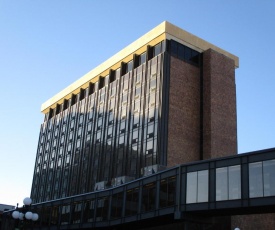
[165, 30]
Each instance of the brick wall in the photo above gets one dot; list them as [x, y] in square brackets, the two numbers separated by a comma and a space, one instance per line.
[184, 113]
[219, 106]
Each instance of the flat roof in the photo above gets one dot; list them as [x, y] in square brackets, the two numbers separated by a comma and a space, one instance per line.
[163, 31]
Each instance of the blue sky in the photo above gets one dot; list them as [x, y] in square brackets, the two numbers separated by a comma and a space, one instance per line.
[47, 45]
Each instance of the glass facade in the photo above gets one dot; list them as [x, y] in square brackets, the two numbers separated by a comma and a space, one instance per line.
[111, 129]
[108, 130]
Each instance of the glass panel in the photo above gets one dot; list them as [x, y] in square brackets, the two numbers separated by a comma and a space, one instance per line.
[129, 66]
[221, 184]
[88, 211]
[117, 201]
[163, 193]
[191, 191]
[181, 51]
[269, 175]
[131, 207]
[65, 214]
[174, 48]
[203, 186]
[102, 209]
[143, 58]
[234, 182]
[54, 217]
[76, 215]
[148, 197]
[255, 180]
[167, 192]
[157, 49]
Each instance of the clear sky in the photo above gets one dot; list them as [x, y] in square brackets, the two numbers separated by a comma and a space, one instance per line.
[47, 45]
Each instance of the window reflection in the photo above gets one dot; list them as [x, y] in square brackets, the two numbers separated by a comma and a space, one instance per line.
[131, 206]
[197, 187]
[228, 183]
[167, 192]
[148, 197]
[261, 179]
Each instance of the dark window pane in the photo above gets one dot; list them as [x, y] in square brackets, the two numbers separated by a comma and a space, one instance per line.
[157, 49]
[188, 53]
[174, 48]
[195, 57]
[181, 52]
[148, 197]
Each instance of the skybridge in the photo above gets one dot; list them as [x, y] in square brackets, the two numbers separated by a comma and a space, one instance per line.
[235, 185]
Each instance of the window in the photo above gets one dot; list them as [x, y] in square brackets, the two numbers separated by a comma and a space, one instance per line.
[132, 197]
[78, 144]
[167, 192]
[89, 127]
[150, 130]
[197, 187]
[68, 157]
[149, 197]
[76, 212]
[153, 83]
[151, 115]
[98, 135]
[157, 50]
[110, 130]
[79, 132]
[149, 146]
[129, 66]
[65, 214]
[135, 136]
[116, 208]
[261, 179]
[184, 53]
[72, 124]
[121, 140]
[112, 104]
[180, 51]
[228, 183]
[71, 135]
[137, 90]
[142, 58]
[122, 126]
[91, 114]
[80, 119]
[117, 73]
[99, 123]
[123, 114]
[69, 147]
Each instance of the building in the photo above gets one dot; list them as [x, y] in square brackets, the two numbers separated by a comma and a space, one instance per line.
[166, 99]
[148, 139]
[4, 207]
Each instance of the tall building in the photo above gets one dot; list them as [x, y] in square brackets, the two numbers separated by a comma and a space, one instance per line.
[148, 140]
[166, 99]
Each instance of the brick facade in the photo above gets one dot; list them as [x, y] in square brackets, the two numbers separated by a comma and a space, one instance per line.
[184, 113]
[219, 106]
